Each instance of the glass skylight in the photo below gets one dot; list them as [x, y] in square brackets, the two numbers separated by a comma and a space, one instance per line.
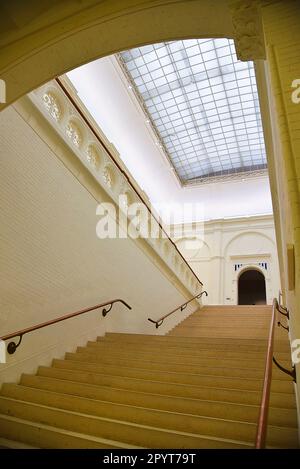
[203, 103]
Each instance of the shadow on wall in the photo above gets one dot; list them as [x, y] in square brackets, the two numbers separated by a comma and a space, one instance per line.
[251, 288]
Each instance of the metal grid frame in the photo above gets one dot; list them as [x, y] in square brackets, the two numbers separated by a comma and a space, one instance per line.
[203, 106]
[238, 176]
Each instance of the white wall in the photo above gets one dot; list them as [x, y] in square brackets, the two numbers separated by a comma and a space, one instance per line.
[52, 262]
[225, 243]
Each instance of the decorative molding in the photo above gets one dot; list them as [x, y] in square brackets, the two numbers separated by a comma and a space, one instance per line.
[239, 265]
[73, 132]
[247, 256]
[93, 156]
[52, 105]
[227, 225]
[107, 176]
[238, 176]
[64, 118]
[248, 30]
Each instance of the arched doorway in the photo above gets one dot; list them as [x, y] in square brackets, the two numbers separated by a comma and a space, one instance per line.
[251, 288]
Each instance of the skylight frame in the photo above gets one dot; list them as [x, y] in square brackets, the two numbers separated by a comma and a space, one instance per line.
[208, 147]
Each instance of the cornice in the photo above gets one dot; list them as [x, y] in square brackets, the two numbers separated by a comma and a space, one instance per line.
[248, 29]
[225, 224]
[247, 256]
[95, 169]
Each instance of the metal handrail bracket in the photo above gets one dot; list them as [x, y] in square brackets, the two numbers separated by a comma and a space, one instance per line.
[158, 322]
[261, 433]
[12, 346]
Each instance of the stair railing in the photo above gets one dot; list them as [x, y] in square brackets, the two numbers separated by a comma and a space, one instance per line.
[12, 346]
[261, 433]
[96, 135]
[159, 321]
[284, 312]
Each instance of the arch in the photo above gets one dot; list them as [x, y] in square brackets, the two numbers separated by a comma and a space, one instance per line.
[57, 37]
[263, 235]
[250, 267]
[193, 253]
[251, 286]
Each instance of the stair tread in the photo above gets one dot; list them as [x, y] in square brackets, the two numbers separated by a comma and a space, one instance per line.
[12, 444]
[114, 443]
[293, 432]
[203, 369]
[143, 392]
[110, 443]
[131, 406]
[173, 384]
[207, 402]
[121, 422]
[92, 350]
[198, 386]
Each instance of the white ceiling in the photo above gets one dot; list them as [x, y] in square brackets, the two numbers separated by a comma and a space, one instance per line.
[104, 90]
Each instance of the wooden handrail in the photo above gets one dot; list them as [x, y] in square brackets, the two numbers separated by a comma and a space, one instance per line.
[88, 123]
[12, 346]
[159, 321]
[261, 433]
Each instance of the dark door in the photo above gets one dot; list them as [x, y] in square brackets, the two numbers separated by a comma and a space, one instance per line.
[251, 288]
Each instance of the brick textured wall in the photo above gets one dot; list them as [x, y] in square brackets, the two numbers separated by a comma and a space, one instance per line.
[51, 260]
[281, 22]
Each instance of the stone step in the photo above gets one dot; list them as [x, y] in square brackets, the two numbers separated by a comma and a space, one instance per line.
[51, 437]
[153, 397]
[132, 411]
[131, 433]
[166, 387]
[177, 356]
[181, 366]
[185, 351]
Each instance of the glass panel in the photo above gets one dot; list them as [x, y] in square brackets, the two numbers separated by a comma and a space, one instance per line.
[203, 102]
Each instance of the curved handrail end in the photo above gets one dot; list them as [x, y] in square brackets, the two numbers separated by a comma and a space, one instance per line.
[285, 370]
[12, 346]
[124, 303]
[202, 293]
[159, 321]
[152, 320]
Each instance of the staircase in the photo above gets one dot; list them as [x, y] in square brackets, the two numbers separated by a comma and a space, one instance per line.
[232, 322]
[197, 387]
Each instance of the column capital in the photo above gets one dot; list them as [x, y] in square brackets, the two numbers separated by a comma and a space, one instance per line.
[248, 30]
